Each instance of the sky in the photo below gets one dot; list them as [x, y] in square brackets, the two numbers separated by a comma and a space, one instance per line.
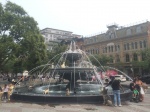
[85, 17]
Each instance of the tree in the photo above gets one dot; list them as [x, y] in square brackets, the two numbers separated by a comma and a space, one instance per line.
[145, 63]
[101, 59]
[23, 41]
[57, 50]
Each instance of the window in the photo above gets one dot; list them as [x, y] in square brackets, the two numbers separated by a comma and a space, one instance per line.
[136, 45]
[115, 47]
[127, 58]
[111, 59]
[143, 56]
[117, 58]
[118, 48]
[95, 39]
[135, 57]
[125, 47]
[128, 32]
[97, 51]
[111, 48]
[93, 51]
[112, 35]
[138, 29]
[106, 49]
[140, 44]
[128, 46]
[144, 43]
[132, 45]
[103, 50]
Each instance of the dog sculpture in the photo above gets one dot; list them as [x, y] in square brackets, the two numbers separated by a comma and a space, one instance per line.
[46, 91]
[145, 87]
[106, 97]
[1, 93]
[67, 92]
[10, 90]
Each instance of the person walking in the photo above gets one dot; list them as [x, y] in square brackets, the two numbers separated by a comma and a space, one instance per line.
[115, 84]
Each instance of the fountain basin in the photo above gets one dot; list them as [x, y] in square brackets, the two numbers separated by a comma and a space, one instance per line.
[57, 96]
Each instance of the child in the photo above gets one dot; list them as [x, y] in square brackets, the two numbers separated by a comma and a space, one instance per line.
[135, 92]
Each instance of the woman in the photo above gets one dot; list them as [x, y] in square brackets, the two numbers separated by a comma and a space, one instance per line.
[116, 86]
[5, 91]
[140, 83]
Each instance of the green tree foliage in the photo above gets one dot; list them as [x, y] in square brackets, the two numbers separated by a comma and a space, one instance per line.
[57, 50]
[24, 44]
[145, 63]
[101, 59]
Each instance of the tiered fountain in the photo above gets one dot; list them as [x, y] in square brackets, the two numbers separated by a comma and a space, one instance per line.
[70, 80]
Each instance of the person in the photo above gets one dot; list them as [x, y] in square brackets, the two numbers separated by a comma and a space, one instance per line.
[5, 91]
[140, 83]
[132, 84]
[1, 93]
[0, 89]
[115, 84]
[135, 92]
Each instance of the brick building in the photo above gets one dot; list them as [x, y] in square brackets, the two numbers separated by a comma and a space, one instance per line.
[124, 44]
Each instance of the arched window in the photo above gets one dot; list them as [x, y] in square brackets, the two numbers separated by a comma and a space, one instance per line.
[109, 48]
[112, 48]
[135, 57]
[127, 58]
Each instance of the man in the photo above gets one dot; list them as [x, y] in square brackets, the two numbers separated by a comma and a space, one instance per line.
[115, 84]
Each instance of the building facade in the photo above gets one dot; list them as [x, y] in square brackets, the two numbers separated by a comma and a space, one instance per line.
[123, 44]
[54, 36]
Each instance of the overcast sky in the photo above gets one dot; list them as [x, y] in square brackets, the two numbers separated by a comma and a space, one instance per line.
[85, 17]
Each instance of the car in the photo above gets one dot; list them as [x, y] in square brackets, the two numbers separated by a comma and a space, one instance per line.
[120, 77]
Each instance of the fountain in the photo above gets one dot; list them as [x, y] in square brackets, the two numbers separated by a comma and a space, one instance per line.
[67, 80]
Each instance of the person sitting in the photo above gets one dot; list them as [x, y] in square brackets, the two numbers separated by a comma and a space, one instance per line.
[135, 92]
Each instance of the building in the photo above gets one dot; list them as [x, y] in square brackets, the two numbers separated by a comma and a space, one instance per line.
[123, 44]
[54, 36]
